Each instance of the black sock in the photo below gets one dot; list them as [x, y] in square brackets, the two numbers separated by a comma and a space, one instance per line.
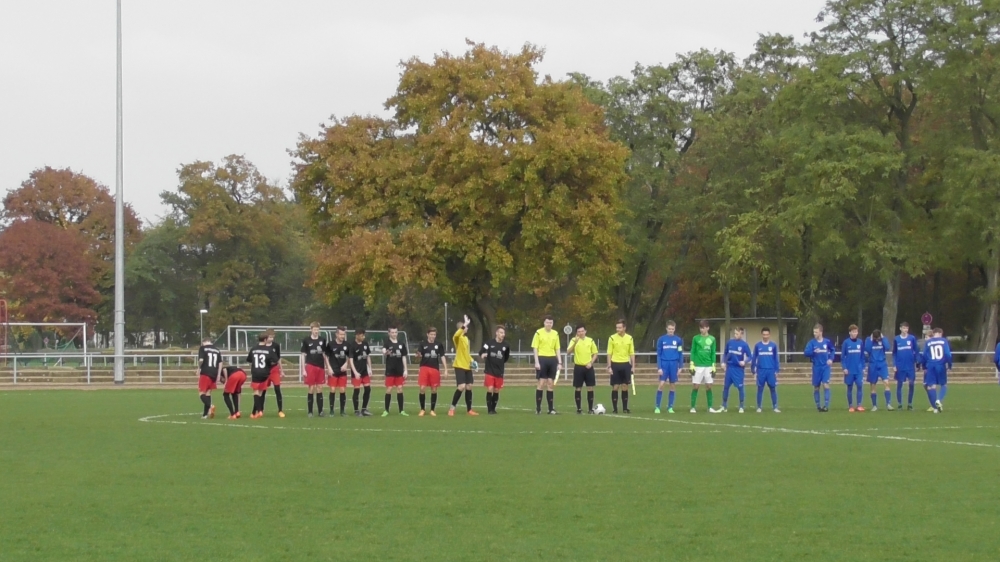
[227, 398]
[625, 400]
[309, 402]
[399, 400]
[434, 400]
[456, 398]
[538, 400]
[256, 404]
[343, 402]
[263, 396]
[496, 400]
[388, 401]
[319, 401]
[366, 397]
[577, 396]
[590, 400]
[489, 401]
[277, 396]
[206, 400]
[357, 395]
[550, 396]
[236, 403]
[468, 399]
[614, 400]
[333, 403]
[423, 401]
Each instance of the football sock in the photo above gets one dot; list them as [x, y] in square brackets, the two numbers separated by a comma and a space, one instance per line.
[708, 395]
[625, 400]
[319, 401]
[538, 400]
[456, 398]
[899, 392]
[256, 403]
[943, 392]
[874, 399]
[309, 402]
[550, 396]
[888, 398]
[423, 401]
[694, 397]
[489, 401]
[496, 400]
[468, 400]
[277, 396]
[343, 402]
[366, 397]
[236, 403]
[774, 397]
[578, 396]
[760, 396]
[206, 400]
[860, 394]
[434, 400]
[399, 401]
[354, 399]
[614, 400]
[333, 402]
[909, 396]
[590, 400]
[388, 401]
[850, 396]
[659, 398]
[725, 395]
[263, 397]
[227, 398]
[816, 396]
[670, 399]
[932, 395]
[743, 395]
[826, 397]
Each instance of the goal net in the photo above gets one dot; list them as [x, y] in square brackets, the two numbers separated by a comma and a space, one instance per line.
[242, 338]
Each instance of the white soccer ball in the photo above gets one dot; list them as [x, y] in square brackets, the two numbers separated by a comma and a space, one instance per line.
[599, 409]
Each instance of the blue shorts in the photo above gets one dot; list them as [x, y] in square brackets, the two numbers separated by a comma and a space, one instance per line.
[905, 375]
[769, 378]
[936, 375]
[670, 369]
[854, 378]
[877, 372]
[821, 375]
[735, 376]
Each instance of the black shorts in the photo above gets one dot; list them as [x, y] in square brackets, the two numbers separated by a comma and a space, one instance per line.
[582, 376]
[549, 368]
[463, 376]
[621, 373]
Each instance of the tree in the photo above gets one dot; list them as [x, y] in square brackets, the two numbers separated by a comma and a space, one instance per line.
[47, 273]
[485, 179]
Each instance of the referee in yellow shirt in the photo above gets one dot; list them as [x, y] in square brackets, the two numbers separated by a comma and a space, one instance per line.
[584, 352]
[545, 345]
[621, 361]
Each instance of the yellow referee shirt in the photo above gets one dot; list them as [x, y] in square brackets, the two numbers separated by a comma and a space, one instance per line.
[462, 358]
[620, 348]
[584, 350]
[547, 343]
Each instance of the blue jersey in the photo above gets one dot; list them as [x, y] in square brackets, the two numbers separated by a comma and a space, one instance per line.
[852, 356]
[820, 351]
[736, 351]
[937, 354]
[765, 358]
[669, 349]
[904, 353]
[996, 357]
[875, 350]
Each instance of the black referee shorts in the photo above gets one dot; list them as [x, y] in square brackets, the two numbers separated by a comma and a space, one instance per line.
[549, 368]
[621, 373]
[582, 376]
[463, 376]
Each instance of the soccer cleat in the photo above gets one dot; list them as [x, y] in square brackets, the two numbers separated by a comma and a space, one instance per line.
[433, 414]
[909, 407]
[777, 411]
[310, 415]
[900, 407]
[281, 414]
[694, 411]
[939, 406]
[936, 411]
[365, 412]
[715, 410]
[860, 408]
[472, 413]
[592, 412]
[211, 412]
[615, 412]
[238, 415]
[451, 412]
[357, 413]
[421, 414]
[231, 417]
[874, 408]
[889, 407]
[670, 410]
[656, 411]
[625, 411]
[553, 412]
[759, 410]
[741, 410]
[260, 414]
[322, 413]
[385, 414]
[851, 409]
[343, 413]
[579, 411]
[723, 410]
[205, 417]
[537, 411]
[404, 414]
[932, 409]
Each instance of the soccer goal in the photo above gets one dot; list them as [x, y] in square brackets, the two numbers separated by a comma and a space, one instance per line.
[35, 338]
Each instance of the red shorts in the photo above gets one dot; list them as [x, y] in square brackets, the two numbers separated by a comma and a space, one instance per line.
[495, 382]
[275, 378]
[234, 384]
[205, 383]
[337, 381]
[429, 376]
[260, 385]
[357, 383]
[394, 381]
[315, 375]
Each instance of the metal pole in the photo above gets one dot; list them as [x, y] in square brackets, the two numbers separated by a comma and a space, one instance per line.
[119, 224]
[446, 332]
[201, 332]
[160, 361]
[15, 369]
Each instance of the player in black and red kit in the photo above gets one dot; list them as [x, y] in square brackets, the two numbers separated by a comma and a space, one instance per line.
[313, 359]
[235, 378]
[495, 354]
[432, 359]
[339, 353]
[396, 356]
[209, 368]
[361, 371]
[274, 379]
[262, 359]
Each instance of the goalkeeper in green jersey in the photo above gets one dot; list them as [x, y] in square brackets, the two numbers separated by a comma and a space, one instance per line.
[703, 348]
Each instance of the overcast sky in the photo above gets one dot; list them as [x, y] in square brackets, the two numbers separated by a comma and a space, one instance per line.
[207, 78]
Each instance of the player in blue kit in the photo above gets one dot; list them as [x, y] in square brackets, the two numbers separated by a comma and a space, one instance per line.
[820, 350]
[669, 358]
[876, 347]
[738, 354]
[936, 360]
[996, 360]
[904, 363]
[852, 359]
[766, 366]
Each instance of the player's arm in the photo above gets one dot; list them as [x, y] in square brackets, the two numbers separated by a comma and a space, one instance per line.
[572, 345]
[843, 355]
[369, 361]
[406, 361]
[484, 351]
[610, 350]
[715, 353]
[444, 362]
[631, 354]
[809, 351]
[250, 357]
[830, 353]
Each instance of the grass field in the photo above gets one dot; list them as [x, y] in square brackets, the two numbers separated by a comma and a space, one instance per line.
[85, 479]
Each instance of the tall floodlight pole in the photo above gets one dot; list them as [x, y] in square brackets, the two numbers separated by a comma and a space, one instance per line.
[119, 228]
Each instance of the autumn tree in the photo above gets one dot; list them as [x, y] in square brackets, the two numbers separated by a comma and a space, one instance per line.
[486, 178]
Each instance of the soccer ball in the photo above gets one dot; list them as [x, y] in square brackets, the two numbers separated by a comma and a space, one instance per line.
[599, 409]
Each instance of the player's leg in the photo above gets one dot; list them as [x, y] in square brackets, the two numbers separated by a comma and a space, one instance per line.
[826, 394]
[459, 391]
[389, 387]
[539, 387]
[342, 391]
[550, 391]
[228, 399]
[696, 380]
[672, 394]
[578, 397]
[423, 399]
[615, 389]
[761, 377]
[872, 379]
[741, 389]
[468, 394]
[727, 382]
[400, 400]
[659, 391]
[625, 377]
[772, 384]
[900, 378]
[206, 402]
[886, 391]
[912, 379]
[942, 392]
[356, 396]
[435, 385]
[366, 395]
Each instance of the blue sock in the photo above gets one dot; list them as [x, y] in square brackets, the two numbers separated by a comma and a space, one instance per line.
[760, 396]
[888, 397]
[725, 395]
[850, 397]
[774, 397]
[909, 400]
[944, 392]
[860, 394]
[874, 399]
[659, 397]
[899, 392]
[816, 396]
[826, 397]
[743, 396]
[670, 398]
[932, 395]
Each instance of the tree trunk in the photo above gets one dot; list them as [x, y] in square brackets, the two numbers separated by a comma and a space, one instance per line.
[754, 287]
[986, 328]
[890, 308]
[486, 316]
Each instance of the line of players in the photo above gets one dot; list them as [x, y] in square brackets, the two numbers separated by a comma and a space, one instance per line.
[333, 362]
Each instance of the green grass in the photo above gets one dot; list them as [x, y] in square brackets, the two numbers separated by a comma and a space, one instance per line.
[84, 479]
